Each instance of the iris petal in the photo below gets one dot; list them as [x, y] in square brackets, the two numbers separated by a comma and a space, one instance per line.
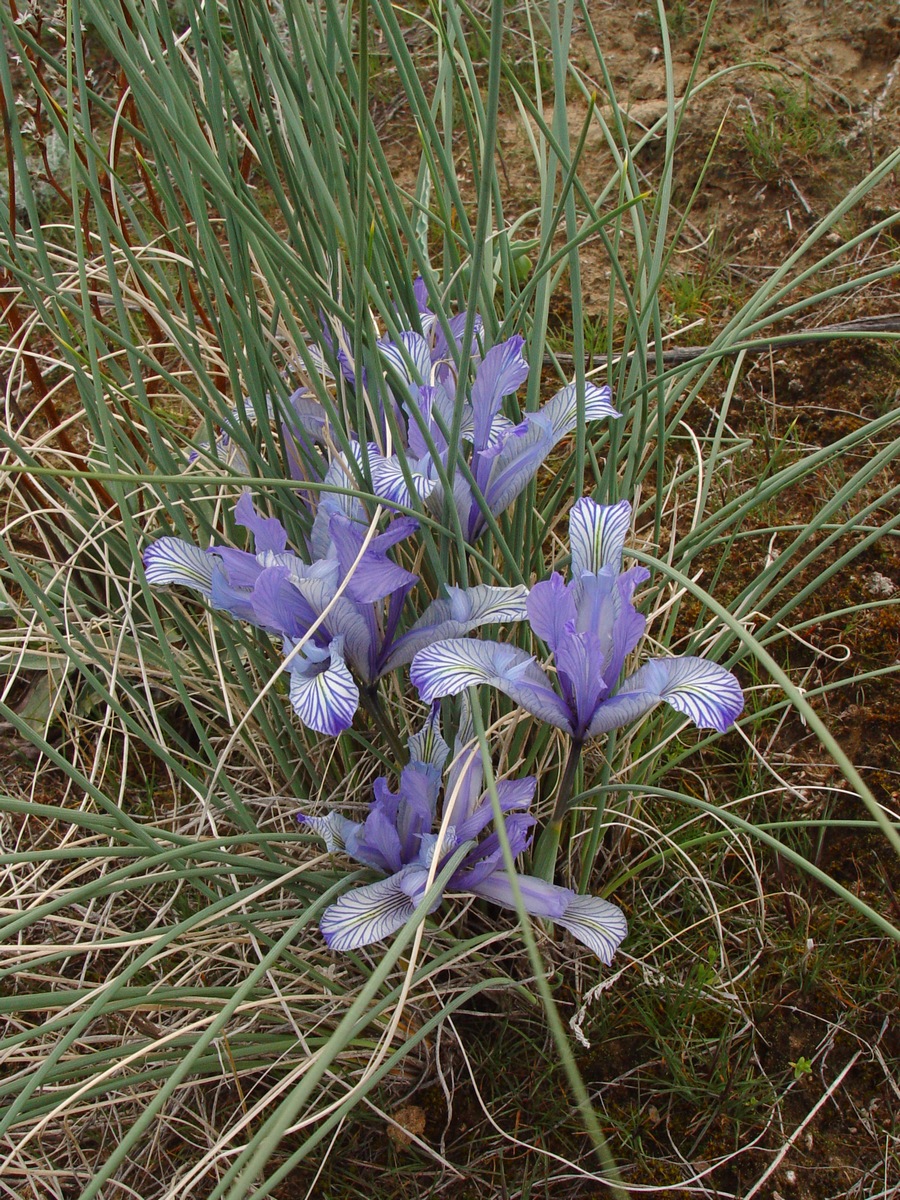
[367, 914]
[173, 560]
[702, 690]
[626, 706]
[324, 699]
[499, 374]
[540, 899]
[551, 604]
[409, 356]
[268, 532]
[562, 409]
[458, 613]
[389, 482]
[334, 829]
[601, 926]
[597, 534]
[368, 573]
[447, 668]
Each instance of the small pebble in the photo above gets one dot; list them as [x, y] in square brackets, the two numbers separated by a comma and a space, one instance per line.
[880, 585]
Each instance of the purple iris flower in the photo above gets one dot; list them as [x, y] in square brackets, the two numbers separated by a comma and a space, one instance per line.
[397, 838]
[590, 625]
[502, 457]
[345, 606]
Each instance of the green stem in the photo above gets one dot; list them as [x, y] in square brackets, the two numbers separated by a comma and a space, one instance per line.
[371, 702]
[544, 861]
[564, 795]
[598, 822]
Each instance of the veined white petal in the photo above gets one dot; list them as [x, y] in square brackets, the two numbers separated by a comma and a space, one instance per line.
[562, 409]
[485, 604]
[601, 926]
[448, 667]
[410, 356]
[458, 613]
[325, 701]
[597, 534]
[702, 690]
[173, 560]
[344, 620]
[367, 914]
[389, 482]
[334, 829]
[428, 746]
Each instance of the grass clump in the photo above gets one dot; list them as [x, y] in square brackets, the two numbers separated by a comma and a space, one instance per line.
[790, 133]
[234, 238]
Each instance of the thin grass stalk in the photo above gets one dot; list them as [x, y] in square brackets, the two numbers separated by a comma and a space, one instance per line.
[246, 1167]
[612, 1177]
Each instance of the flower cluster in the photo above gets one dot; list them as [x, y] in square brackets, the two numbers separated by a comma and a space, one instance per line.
[503, 456]
[339, 616]
[348, 612]
[397, 839]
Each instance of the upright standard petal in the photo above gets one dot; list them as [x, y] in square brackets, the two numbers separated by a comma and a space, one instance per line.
[173, 560]
[551, 606]
[500, 373]
[464, 784]
[511, 794]
[579, 668]
[338, 475]
[428, 746]
[419, 405]
[370, 575]
[449, 667]
[508, 474]
[268, 532]
[503, 478]
[597, 534]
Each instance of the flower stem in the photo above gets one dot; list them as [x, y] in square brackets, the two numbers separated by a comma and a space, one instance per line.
[544, 860]
[371, 701]
[564, 794]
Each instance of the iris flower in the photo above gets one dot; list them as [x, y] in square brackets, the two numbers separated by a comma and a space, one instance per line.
[503, 456]
[345, 606]
[398, 840]
[591, 626]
